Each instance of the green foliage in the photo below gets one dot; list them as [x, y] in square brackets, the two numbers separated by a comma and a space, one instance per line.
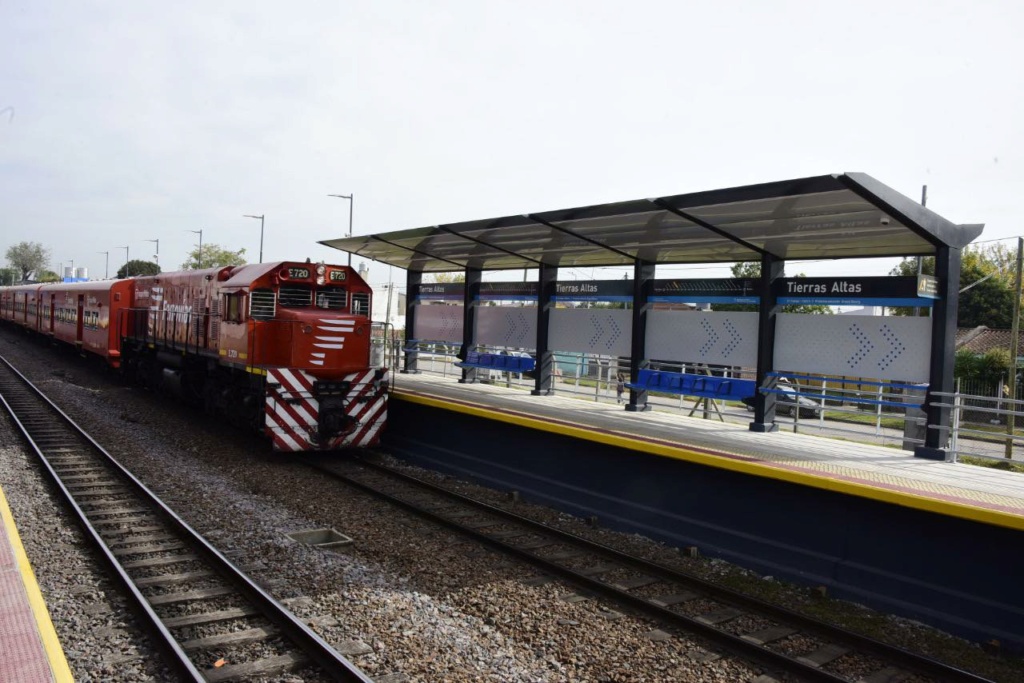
[27, 258]
[752, 269]
[990, 366]
[213, 256]
[9, 276]
[449, 277]
[994, 364]
[48, 276]
[135, 267]
[987, 275]
[966, 364]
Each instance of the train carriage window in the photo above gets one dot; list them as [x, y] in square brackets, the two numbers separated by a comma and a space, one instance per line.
[262, 304]
[335, 298]
[295, 296]
[234, 307]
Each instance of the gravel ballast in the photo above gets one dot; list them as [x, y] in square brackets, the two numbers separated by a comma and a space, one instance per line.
[406, 601]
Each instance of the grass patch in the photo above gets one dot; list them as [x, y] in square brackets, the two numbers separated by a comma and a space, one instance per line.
[992, 463]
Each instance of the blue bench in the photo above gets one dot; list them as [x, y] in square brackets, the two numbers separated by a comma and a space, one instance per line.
[497, 361]
[685, 384]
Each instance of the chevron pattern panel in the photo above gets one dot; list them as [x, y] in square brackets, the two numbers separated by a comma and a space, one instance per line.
[512, 326]
[438, 323]
[591, 330]
[703, 337]
[872, 347]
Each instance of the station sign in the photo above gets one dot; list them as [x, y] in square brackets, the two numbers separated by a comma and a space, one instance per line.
[928, 287]
[707, 291]
[918, 291]
[853, 291]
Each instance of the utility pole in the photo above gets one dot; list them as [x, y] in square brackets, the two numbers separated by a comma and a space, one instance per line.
[261, 216]
[1015, 331]
[924, 202]
[351, 202]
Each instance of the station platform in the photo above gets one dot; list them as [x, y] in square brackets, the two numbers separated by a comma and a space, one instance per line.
[29, 649]
[930, 540]
[980, 494]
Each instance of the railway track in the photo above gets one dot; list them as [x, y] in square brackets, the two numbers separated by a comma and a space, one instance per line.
[212, 622]
[785, 643]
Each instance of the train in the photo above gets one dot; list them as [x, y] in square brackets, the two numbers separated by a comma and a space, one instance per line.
[285, 348]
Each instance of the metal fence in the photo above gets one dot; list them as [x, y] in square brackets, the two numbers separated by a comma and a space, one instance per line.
[985, 422]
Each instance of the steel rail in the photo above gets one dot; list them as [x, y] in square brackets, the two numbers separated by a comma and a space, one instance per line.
[889, 653]
[320, 652]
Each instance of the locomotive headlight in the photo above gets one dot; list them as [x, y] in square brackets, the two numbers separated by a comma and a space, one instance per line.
[321, 269]
[320, 279]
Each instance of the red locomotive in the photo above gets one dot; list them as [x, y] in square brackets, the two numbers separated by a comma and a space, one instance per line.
[283, 347]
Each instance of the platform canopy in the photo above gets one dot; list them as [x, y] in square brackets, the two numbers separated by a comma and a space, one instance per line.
[848, 215]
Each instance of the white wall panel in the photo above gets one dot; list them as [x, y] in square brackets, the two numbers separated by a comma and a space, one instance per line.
[875, 347]
[703, 337]
[512, 326]
[439, 323]
[591, 330]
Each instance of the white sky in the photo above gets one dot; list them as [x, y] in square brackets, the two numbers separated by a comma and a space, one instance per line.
[126, 121]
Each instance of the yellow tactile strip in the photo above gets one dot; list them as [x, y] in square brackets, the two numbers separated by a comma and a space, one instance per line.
[27, 637]
[874, 481]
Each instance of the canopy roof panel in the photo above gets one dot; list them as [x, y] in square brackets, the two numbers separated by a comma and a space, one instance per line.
[849, 215]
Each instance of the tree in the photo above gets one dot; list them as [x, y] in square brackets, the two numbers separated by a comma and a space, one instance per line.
[449, 277]
[9, 276]
[214, 256]
[28, 258]
[47, 276]
[134, 267]
[986, 286]
[752, 270]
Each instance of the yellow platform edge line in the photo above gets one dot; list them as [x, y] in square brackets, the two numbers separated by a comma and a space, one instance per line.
[47, 633]
[862, 490]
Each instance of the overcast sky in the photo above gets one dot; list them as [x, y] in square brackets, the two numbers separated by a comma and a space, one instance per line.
[126, 121]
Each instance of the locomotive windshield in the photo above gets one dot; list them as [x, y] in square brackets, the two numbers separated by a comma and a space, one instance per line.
[304, 296]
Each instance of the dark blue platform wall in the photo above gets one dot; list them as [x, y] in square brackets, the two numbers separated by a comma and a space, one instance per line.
[958, 575]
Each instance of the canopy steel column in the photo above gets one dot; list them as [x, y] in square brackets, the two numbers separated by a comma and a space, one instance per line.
[413, 280]
[643, 287]
[545, 364]
[764, 404]
[944, 313]
[470, 302]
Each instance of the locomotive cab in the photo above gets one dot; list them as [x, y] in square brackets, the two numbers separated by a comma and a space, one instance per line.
[311, 333]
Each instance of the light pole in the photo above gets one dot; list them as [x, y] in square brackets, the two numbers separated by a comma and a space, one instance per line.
[72, 270]
[261, 233]
[106, 265]
[200, 259]
[351, 203]
[157, 257]
[126, 273]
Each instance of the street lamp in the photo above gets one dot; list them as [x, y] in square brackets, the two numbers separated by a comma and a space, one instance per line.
[106, 265]
[126, 273]
[200, 259]
[157, 257]
[261, 233]
[351, 203]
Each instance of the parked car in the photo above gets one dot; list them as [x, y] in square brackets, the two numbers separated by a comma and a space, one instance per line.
[789, 402]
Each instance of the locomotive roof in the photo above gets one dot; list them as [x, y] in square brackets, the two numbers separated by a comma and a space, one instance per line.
[846, 215]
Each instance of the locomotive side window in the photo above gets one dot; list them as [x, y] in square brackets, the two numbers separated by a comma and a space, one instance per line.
[332, 298]
[295, 296]
[233, 308]
[360, 303]
[262, 305]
